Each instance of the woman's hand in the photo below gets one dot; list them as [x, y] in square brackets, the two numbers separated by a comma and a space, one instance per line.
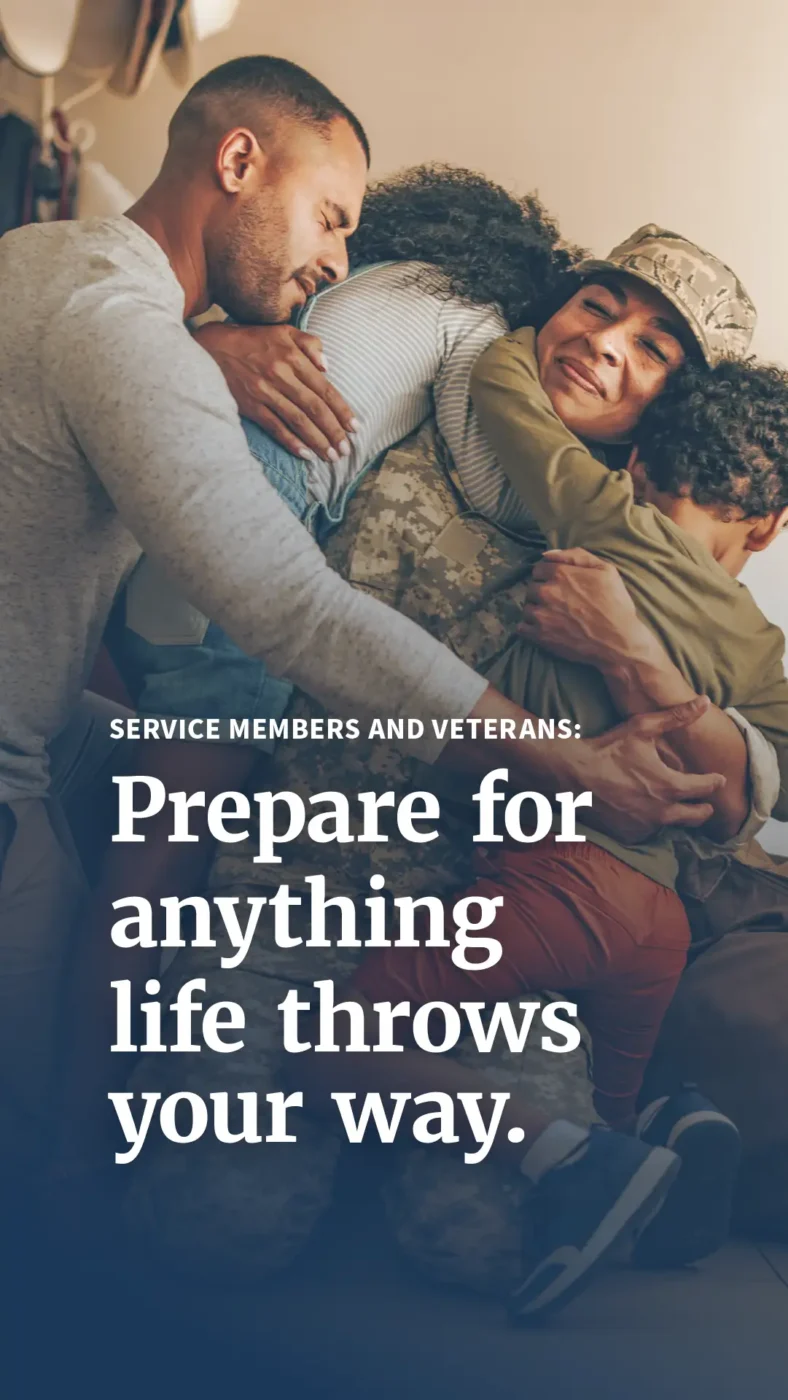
[277, 376]
[578, 607]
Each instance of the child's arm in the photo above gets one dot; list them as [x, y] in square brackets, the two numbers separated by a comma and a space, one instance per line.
[483, 480]
[579, 608]
[556, 477]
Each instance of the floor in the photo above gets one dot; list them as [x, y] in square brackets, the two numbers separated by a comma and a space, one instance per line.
[720, 1330]
[323, 1331]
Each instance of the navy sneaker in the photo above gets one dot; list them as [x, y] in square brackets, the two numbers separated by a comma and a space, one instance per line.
[605, 1190]
[695, 1217]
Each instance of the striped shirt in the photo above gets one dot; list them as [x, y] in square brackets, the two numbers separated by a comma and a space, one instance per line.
[398, 350]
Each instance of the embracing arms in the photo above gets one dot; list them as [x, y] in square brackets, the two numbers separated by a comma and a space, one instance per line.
[634, 790]
[580, 608]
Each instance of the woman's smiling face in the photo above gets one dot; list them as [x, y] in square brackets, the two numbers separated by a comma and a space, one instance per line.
[607, 353]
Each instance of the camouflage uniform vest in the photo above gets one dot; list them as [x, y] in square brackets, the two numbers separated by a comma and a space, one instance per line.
[409, 538]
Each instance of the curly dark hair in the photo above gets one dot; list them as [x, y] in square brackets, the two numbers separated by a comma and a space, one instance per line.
[489, 247]
[720, 436]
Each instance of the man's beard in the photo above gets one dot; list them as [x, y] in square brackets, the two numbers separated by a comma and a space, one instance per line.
[263, 304]
[250, 276]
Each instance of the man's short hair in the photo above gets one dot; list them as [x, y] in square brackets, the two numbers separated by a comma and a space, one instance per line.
[720, 436]
[276, 87]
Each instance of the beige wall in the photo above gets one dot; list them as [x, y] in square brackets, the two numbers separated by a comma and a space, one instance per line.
[674, 110]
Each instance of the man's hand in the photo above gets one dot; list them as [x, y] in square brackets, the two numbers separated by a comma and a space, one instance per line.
[635, 792]
[277, 376]
[579, 608]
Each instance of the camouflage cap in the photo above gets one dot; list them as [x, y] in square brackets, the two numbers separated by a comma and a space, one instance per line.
[708, 294]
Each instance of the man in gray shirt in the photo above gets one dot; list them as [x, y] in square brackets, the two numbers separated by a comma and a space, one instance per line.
[118, 433]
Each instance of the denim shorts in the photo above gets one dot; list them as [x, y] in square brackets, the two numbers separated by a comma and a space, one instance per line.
[177, 664]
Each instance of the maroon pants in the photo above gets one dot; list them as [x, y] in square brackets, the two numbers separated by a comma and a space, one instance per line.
[577, 920]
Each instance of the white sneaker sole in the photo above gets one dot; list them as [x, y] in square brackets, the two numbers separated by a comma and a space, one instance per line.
[561, 1275]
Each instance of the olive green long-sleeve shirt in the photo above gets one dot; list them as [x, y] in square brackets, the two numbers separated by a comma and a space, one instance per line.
[707, 621]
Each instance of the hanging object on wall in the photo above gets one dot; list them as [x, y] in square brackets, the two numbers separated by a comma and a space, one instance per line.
[39, 178]
[103, 35]
[154, 18]
[41, 145]
[194, 22]
[54, 182]
[19, 150]
[37, 34]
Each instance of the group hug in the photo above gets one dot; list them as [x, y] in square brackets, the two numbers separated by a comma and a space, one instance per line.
[434, 462]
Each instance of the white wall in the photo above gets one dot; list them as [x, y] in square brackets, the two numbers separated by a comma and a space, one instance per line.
[616, 112]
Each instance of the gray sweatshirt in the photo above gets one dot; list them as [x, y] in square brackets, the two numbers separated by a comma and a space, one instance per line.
[118, 433]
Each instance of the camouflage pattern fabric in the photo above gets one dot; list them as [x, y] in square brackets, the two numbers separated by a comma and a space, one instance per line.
[408, 538]
[248, 1208]
[706, 292]
[210, 1206]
